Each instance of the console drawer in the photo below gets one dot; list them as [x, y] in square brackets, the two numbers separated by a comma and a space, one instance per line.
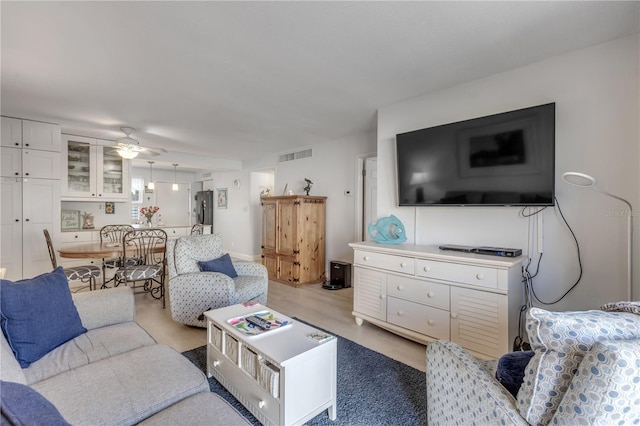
[405, 265]
[425, 320]
[419, 291]
[467, 274]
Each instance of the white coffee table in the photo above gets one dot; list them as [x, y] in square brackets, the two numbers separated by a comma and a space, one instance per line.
[282, 377]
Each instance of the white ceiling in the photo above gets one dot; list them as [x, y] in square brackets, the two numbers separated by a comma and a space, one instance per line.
[240, 80]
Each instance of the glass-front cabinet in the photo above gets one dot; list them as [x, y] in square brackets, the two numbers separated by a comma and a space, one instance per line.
[94, 170]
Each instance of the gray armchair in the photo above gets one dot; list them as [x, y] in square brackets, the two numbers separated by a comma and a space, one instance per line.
[192, 292]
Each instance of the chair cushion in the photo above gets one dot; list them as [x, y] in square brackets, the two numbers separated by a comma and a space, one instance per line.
[38, 315]
[193, 248]
[222, 264]
[560, 340]
[81, 272]
[22, 405]
[139, 273]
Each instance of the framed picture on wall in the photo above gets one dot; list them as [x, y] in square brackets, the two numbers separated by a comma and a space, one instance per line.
[222, 198]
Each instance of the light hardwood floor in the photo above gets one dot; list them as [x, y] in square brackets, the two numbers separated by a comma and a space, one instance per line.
[326, 309]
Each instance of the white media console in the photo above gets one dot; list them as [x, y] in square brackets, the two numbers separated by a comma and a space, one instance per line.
[424, 294]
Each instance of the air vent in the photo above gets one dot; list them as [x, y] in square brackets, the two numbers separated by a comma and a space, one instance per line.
[206, 175]
[296, 155]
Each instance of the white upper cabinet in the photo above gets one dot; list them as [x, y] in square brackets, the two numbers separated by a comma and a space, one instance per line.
[18, 133]
[11, 132]
[93, 170]
[41, 136]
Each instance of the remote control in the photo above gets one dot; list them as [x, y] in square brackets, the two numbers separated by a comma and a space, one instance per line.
[258, 322]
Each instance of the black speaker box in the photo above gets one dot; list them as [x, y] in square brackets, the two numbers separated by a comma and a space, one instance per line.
[340, 276]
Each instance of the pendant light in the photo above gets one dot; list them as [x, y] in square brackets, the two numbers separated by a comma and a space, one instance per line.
[151, 185]
[175, 172]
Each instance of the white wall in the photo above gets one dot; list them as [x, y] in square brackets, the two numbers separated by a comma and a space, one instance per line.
[235, 222]
[174, 205]
[597, 114]
[332, 171]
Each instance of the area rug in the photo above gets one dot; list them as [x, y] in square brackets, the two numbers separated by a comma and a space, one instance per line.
[372, 389]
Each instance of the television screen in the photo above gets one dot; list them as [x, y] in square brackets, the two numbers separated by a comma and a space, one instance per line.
[505, 159]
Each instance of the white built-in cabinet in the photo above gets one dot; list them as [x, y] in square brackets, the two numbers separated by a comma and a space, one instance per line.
[30, 192]
[424, 294]
[93, 170]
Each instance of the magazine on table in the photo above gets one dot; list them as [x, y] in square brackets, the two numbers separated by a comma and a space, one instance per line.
[258, 323]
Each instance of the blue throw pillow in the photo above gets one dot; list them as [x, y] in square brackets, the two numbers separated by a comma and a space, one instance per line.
[510, 371]
[222, 264]
[37, 315]
[22, 405]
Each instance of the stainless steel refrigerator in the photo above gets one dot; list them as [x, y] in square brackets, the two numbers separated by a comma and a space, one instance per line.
[204, 208]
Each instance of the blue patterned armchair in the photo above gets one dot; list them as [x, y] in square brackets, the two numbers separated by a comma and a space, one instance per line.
[585, 369]
[192, 292]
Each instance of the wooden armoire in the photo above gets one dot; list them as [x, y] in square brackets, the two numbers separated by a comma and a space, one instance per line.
[293, 238]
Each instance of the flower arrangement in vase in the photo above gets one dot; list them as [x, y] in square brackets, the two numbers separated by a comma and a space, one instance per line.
[148, 213]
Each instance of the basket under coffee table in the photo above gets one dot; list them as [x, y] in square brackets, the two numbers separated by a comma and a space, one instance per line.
[281, 376]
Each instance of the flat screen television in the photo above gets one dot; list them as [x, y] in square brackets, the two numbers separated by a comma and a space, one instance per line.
[505, 159]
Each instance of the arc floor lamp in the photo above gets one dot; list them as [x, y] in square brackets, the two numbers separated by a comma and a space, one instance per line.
[586, 181]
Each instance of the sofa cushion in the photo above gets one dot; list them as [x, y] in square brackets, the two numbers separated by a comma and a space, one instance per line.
[191, 249]
[205, 408]
[510, 370]
[22, 405]
[222, 264]
[605, 388]
[37, 315]
[92, 346]
[124, 389]
[560, 340]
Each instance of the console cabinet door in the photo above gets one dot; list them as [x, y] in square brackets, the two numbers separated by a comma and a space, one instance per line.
[11, 227]
[41, 210]
[269, 226]
[287, 226]
[40, 164]
[370, 293]
[479, 321]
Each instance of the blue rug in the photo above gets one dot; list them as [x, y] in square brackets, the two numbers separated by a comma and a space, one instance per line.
[372, 389]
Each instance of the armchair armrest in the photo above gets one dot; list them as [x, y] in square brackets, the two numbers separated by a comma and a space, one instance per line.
[461, 391]
[244, 267]
[105, 307]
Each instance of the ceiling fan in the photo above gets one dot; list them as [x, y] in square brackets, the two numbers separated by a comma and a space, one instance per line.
[129, 148]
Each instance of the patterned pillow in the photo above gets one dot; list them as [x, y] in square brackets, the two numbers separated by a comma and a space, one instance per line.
[194, 248]
[560, 340]
[604, 390]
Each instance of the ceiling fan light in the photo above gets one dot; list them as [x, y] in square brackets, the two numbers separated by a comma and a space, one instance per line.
[127, 153]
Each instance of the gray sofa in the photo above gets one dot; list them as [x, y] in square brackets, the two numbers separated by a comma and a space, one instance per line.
[116, 373]
[585, 370]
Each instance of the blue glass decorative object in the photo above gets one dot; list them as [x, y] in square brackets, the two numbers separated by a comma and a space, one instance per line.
[387, 230]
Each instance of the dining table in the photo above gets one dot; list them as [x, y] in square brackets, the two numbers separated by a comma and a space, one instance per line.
[91, 250]
[95, 250]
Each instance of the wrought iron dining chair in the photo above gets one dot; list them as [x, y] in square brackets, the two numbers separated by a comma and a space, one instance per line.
[197, 229]
[112, 234]
[148, 246]
[85, 273]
